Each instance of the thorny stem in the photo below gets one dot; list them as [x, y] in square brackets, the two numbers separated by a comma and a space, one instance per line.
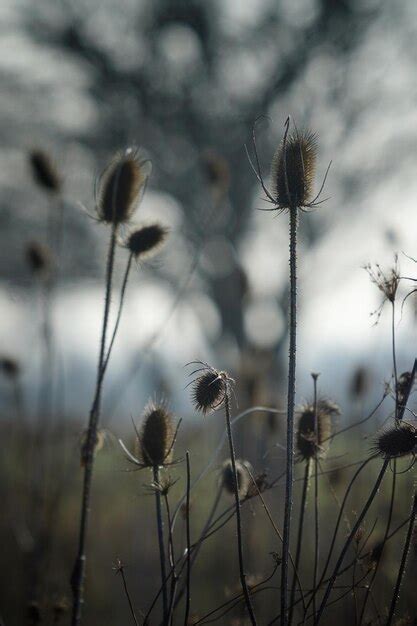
[403, 560]
[349, 540]
[78, 573]
[306, 483]
[290, 414]
[187, 524]
[160, 524]
[238, 513]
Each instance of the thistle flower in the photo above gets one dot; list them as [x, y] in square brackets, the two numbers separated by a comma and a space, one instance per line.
[10, 367]
[243, 480]
[44, 171]
[312, 442]
[146, 240]
[210, 388]
[292, 170]
[397, 441]
[157, 436]
[121, 187]
[38, 257]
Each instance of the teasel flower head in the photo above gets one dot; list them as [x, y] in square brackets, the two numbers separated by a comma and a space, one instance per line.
[38, 257]
[397, 441]
[243, 479]
[157, 435]
[121, 186]
[44, 171]
[147, 240]
[10, 367]
[313, 440]
[210, 388]
[293, 169]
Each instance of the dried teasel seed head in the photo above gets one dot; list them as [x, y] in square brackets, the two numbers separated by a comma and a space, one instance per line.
[293, 168]
[121, 186]
[146, 240]
[399, 440]
[312, 444]
[44, 171]
[10, 367]
[209, 390]
[404, 384]
[156, 437]
[38, 257]
[243, 479]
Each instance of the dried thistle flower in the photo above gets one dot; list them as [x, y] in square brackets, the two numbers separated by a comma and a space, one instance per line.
[38, 257]
[10, 367]
[157, 436]
[243, 479]
[210, 388]
[387, 283]
[99, 443]
[146, 240]
[121, 186]
[44, 171]
[292, 170]
[397, 441]
[310, 443]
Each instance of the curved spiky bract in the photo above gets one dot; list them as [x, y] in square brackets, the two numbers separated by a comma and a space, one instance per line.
[398, 441]
[311, 441]
[121, 187]
[292, 170]
[146, 240]
[156, 437]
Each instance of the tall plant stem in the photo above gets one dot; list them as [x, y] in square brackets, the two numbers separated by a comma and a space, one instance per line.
[403, 560]
[290, 415]
[349, 540]
[394, 358]
[316, 497]
[238, 513]
[162, 560]
[78, 573]
[187, 522]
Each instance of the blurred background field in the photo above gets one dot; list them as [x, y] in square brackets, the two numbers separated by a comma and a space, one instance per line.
[186, 80]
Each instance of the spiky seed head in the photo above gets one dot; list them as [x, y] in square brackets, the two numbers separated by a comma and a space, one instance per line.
[292, 170]
[146, 240]
[10, 367]
[156, 436]
[243, 479]
[399, 440]
[121, 187]
[38, 257]
[44, 171]
[311, 444]
[209, 390]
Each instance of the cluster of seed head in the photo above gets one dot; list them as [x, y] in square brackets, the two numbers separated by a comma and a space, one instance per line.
[314, 431]
[398, 441]
[292, 170]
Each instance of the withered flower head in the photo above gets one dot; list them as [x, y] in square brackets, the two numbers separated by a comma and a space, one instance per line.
[210, 388]
[9, 366]
[243, 479]
[146, 240]
[38, 257]
[44, 171]
[397, 441]
[311, 441]
[121, 186]
[387, 283]
[156, 436]
[293, 168]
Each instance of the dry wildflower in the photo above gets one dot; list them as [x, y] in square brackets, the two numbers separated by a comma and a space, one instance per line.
[397, 441]
[38, 257]
[146, 240]
[10, 367]
[157, 436]
[243, 479]
[121, 187]
[387, 283]
[311, 441]
[99, 443]
[210, 388]
[44, 171]
[292, 170]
